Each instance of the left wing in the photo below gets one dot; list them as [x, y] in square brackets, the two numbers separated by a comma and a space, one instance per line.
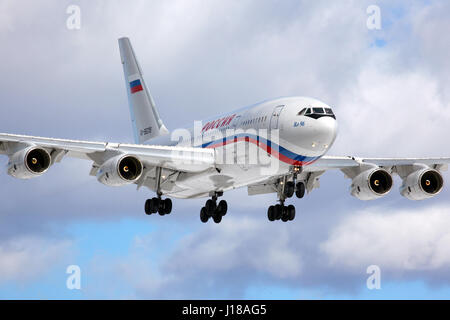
[371, 177]
[336, 162]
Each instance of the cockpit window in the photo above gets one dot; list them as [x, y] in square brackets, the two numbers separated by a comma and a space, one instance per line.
[318, 110]
[302, 112]
[317, 113]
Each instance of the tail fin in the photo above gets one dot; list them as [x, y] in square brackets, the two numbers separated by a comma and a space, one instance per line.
[144, 116]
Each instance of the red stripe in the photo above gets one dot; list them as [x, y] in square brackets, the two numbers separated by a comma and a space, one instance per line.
[136, 88]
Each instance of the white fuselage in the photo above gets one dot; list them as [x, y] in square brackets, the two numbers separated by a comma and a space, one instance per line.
[253, 143]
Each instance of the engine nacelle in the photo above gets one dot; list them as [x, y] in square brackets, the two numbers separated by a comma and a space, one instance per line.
[422, 184]
[371, 184]
[120, 170]
[29, 163]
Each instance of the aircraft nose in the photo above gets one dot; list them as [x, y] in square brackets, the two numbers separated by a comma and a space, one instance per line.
[325, 133]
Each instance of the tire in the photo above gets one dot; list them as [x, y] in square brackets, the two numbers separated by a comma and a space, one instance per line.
[271, 213]
[210, 206]
[167, 206]
[154, 205]
[222, 208]
[278, 211]
[284, 214]
[300, 190]
[203, 215]
[161, 206]
[148, 207]
[291, 212]
[217, 218]
[289, 189]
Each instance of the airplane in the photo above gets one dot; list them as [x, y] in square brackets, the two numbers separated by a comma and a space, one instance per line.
[275, 146]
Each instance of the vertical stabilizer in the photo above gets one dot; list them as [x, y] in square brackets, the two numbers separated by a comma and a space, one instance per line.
[145, 118]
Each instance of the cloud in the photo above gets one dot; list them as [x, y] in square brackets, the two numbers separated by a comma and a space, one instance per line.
[202, 58]
[222, 259]
[26, 258]
[398, 241]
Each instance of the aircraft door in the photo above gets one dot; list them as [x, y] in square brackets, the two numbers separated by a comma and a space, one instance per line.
[275, 117]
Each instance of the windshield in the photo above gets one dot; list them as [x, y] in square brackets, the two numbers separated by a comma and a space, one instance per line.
[317, 113]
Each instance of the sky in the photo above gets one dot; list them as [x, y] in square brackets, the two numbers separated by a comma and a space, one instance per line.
[390, 90]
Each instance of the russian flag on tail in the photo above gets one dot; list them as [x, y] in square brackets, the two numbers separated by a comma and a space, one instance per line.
[135, 86]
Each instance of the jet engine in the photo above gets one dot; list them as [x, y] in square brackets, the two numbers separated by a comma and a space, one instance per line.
[120, 170]
[422, 184]
[371, 184]
[29, 163]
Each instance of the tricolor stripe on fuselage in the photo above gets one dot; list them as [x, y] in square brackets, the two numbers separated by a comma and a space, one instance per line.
[274, 149]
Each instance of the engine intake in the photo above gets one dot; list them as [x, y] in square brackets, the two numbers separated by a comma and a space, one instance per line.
[371, 184]
[130, 168]
[422, 184]
[120, 170]
[29, 163]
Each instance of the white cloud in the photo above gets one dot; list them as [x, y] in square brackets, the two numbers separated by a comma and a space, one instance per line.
[396, 240]
[239, 242]
[26, 258]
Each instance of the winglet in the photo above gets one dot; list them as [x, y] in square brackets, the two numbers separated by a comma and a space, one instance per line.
[144, 117]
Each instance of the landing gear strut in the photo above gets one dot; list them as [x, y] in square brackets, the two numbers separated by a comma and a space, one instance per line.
[214, 210]
[153, 205]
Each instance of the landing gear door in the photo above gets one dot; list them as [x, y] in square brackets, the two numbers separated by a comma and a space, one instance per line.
[275, 117]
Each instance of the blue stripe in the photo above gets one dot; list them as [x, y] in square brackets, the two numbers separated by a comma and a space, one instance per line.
[135, 83]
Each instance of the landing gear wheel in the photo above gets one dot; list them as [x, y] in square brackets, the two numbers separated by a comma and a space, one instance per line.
[278, 210]
[151, 206]
[203, 215]
[167, 206]
[300, 190]
[289, 189]
[222, 208]
[162, 210]
[210, 206]
[291, 212]
[217, 218]
[148, 207]
[271, 213]
[284, 215]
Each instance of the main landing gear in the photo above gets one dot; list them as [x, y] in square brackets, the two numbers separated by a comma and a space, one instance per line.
[162, 206]
[214, 210]
[153, 205]
[280, 211]
[286, 189]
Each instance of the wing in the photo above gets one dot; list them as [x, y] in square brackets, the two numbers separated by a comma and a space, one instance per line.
[421, 176]
[172, 159]
[338, 162]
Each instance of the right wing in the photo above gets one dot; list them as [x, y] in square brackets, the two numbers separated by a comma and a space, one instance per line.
[46, 151]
